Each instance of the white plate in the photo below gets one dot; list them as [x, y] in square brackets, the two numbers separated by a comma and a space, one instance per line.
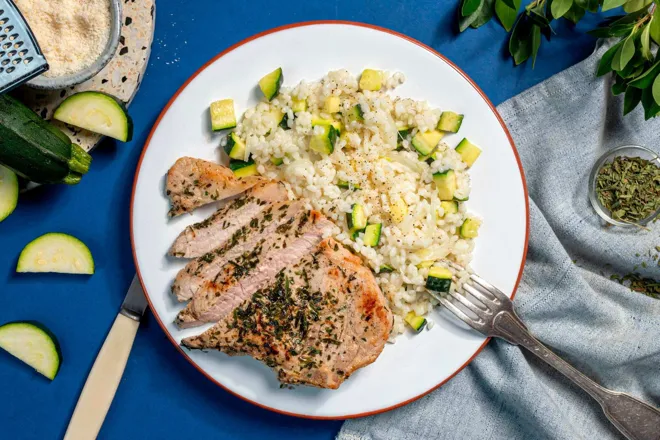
[414, 365]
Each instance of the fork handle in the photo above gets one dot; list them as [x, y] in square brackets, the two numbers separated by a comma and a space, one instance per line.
[634, 418]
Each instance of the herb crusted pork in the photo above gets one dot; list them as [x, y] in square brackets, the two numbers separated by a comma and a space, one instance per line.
[273, 283]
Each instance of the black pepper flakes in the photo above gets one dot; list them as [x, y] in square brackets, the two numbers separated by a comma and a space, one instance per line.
[123, 51]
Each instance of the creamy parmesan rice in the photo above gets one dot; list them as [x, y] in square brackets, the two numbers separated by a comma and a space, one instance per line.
[365, 156]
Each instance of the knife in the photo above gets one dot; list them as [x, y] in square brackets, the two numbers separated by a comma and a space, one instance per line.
[108, 368]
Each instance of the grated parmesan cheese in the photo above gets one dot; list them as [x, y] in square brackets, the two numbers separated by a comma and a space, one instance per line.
[71, 33]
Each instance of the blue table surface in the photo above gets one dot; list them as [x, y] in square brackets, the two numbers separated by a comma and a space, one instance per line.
[161, 395]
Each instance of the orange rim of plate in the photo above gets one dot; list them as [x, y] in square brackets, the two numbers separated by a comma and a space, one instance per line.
[293, 26]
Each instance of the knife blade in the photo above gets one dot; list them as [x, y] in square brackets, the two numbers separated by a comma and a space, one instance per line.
[135, 303]
[108, 368]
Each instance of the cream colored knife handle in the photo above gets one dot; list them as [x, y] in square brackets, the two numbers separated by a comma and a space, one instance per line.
[102, 382]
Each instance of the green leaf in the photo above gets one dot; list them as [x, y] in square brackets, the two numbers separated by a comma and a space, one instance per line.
[619, 86]
[645, 81]
[560, 7]
[605, 65]
[485, 14]
[536, 43]
[611, 4]
[513, 4]
[589, 5]
[465, 22]
[636, 5]
[575, 14]
[656, 90]
[538, 16]
[506, 14]
[600, 32]
[651, 108]
[470, 7]
[631, 99]
[645, 42]
[520, 45]
[655, 26]
[624, 54]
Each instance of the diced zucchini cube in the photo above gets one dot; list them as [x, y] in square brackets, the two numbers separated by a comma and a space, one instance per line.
[222, 114]
[439, 279]
[324, 142]
[386, 268]
[332, 104]
[356, 114]
[277, 161]
[372, 234]
[449, 206]
[371, 80]
[357, 218]
[445, 184]
[271, 83]
[450, 121]
[417, 323]
[298, 105]
[470, 228]
[235, 147]
[398, 209]
[426, 142]
[468, 151]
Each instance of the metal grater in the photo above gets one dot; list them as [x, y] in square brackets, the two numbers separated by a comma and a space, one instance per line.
[21, 58]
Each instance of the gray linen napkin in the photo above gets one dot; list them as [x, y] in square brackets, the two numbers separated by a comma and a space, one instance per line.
[566, 296]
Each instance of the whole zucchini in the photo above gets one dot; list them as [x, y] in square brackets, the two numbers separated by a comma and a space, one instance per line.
[36, 149]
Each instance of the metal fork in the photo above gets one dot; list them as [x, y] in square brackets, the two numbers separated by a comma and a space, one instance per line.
[494, 316]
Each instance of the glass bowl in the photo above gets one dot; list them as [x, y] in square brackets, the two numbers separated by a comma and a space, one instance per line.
[59, 82]
[628, 151]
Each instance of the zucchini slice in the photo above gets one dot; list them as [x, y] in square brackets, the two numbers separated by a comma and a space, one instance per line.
[449, 206]
[372, 234]
[332, 104]
[235, 147]
[439, 279]
[468, 151]
[284, 122]
[33, 344]
[386, 268]
[97, 112]
[357, 218]
[8, 192]
[56, 252]
[242, 168]
[347, 185]
[324, 142]
[470, 228]
[271, 83]
[425, 264]
[371, 80]
[450, 121]
[417, 323]
[298, 105]
[277, 161]
[426, 142]
[445, 184]
[222, 114]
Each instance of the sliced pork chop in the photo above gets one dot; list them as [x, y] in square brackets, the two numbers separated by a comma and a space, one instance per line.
[318, 322]
[265, 224]
[192, 183]
[240, 278]
[200, 238]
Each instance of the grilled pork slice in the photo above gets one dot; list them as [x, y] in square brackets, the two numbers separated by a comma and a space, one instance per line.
[195, 273]
[215, 231]
[192, 183]
[253, 270]
[318, 322]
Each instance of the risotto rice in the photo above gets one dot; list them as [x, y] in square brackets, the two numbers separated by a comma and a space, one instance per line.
[375, 168]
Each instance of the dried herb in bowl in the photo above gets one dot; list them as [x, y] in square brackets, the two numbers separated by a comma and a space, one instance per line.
[629, 188]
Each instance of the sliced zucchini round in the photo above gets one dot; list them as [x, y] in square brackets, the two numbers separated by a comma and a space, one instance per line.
[98, 112]
[33, 344]
[56, 252]
[8, 192]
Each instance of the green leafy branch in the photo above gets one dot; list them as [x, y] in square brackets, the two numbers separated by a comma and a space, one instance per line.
[631, 59]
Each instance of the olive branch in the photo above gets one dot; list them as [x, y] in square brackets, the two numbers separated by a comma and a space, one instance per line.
[636, 70]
